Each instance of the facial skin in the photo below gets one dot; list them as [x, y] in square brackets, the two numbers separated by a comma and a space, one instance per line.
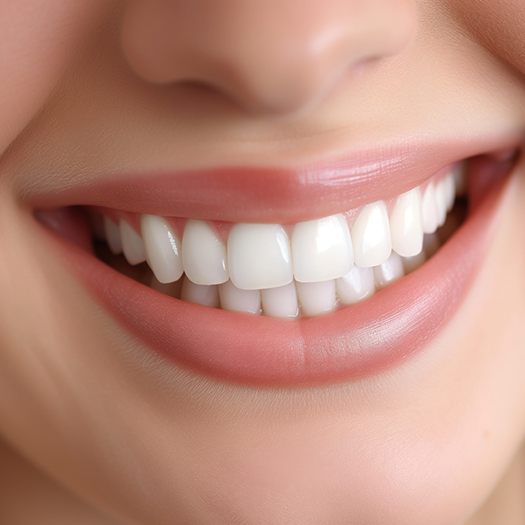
[107, 432]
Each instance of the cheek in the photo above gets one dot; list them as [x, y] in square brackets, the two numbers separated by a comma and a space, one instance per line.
[498, 24]
[37, 41]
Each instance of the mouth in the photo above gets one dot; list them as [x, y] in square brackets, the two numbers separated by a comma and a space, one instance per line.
[286, 277]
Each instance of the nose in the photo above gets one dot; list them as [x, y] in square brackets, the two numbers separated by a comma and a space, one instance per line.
[269, 56]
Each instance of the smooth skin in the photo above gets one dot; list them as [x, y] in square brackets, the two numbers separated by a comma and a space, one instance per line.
[98, 430]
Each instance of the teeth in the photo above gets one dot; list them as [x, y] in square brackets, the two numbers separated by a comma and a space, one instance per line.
[450, 192]
[316, 298]
[460, 178]
[261, 270]
[132, 244]
[200, 293]
[390, 271]
[112, 233]
[406, 224]
[356, 285]
[431, 245]
[441, 202]
[237, 300]
[162, 248]
[429, 209]
[280, 302]
[204, 254]
[322, 249]
[411, 264]
[259, 256]
[371, 235]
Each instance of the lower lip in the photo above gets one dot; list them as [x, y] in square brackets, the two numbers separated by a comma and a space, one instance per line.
[353, 342]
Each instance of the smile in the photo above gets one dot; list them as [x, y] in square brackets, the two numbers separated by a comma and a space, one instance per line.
[221, 273]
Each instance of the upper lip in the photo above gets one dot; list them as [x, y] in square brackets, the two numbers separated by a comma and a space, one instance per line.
[284, 194]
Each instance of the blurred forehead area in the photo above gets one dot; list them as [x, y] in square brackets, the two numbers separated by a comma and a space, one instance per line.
[499, 25]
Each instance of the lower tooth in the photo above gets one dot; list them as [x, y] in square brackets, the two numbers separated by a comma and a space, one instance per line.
[316, 298]
[410, 264]
[237, 300]
[356, 285]
[431, 244]
[206, 295]
[171, 289]
[280, 302]
[388, 272]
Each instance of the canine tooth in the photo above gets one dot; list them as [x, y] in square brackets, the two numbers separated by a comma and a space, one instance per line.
[259, 256]
[388, 272]
[371, 235]
[410, 264]
[316, 298]
[322, 249]
[441, 202]
[203, 254]
[162, 248]
[356, 285]
[207, 295]
[406, 225]
[429, 209]
[132, 244]
[237, 300]
[113, 235]
[280, 302]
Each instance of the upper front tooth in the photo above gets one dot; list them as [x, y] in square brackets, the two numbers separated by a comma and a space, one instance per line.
[203, 254]
[406, 224]
[371, 235]
[132, 244]
[322, 249]
[429, 209]
[162, 248]
[259, 256]
[113, 235]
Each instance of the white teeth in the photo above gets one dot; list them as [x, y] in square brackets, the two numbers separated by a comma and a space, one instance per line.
[237, 300]
[429, 210]
[322, 249]
[406, 224]
[441, 202]
[162, 248]
[371, 235]
[204, 254]
[259, 256]
[280, 302]
[261, 270]
[389, 272]
[410, 264]
[132, 244]
[356, 285]
[431, 245]
[200, 293]
[112, 232]
[460, 178]
[450, 192]
[316, 298]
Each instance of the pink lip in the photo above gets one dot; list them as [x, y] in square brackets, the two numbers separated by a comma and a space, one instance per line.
[283, 195]
[355, 341]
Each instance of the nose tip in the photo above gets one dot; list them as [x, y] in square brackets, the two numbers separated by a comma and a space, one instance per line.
[269, 56]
